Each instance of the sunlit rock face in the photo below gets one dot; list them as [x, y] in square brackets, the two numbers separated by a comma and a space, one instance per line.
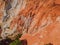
[2, 4]
[37, 20]
[57, 1]
[40, 22]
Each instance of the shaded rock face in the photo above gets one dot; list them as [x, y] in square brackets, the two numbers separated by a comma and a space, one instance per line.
[5, 42]
[9, 11]
[24, 42]
[37, 20]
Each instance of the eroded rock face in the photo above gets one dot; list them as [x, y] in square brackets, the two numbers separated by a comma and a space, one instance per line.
[44, 22]
[9, 10]
[37, 20]
[57, 1]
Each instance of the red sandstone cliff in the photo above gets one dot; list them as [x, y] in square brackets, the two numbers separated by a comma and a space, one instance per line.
[38, 21]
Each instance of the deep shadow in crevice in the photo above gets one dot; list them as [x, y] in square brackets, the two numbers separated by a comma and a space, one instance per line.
[49, 44]
[24, 42]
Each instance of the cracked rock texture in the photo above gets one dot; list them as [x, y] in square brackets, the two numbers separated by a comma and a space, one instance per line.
[37, 20]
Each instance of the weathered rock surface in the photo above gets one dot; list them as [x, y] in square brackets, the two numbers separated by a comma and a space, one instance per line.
[37, 20]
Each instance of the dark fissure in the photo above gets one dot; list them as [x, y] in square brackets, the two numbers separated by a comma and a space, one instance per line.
[24, 42]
